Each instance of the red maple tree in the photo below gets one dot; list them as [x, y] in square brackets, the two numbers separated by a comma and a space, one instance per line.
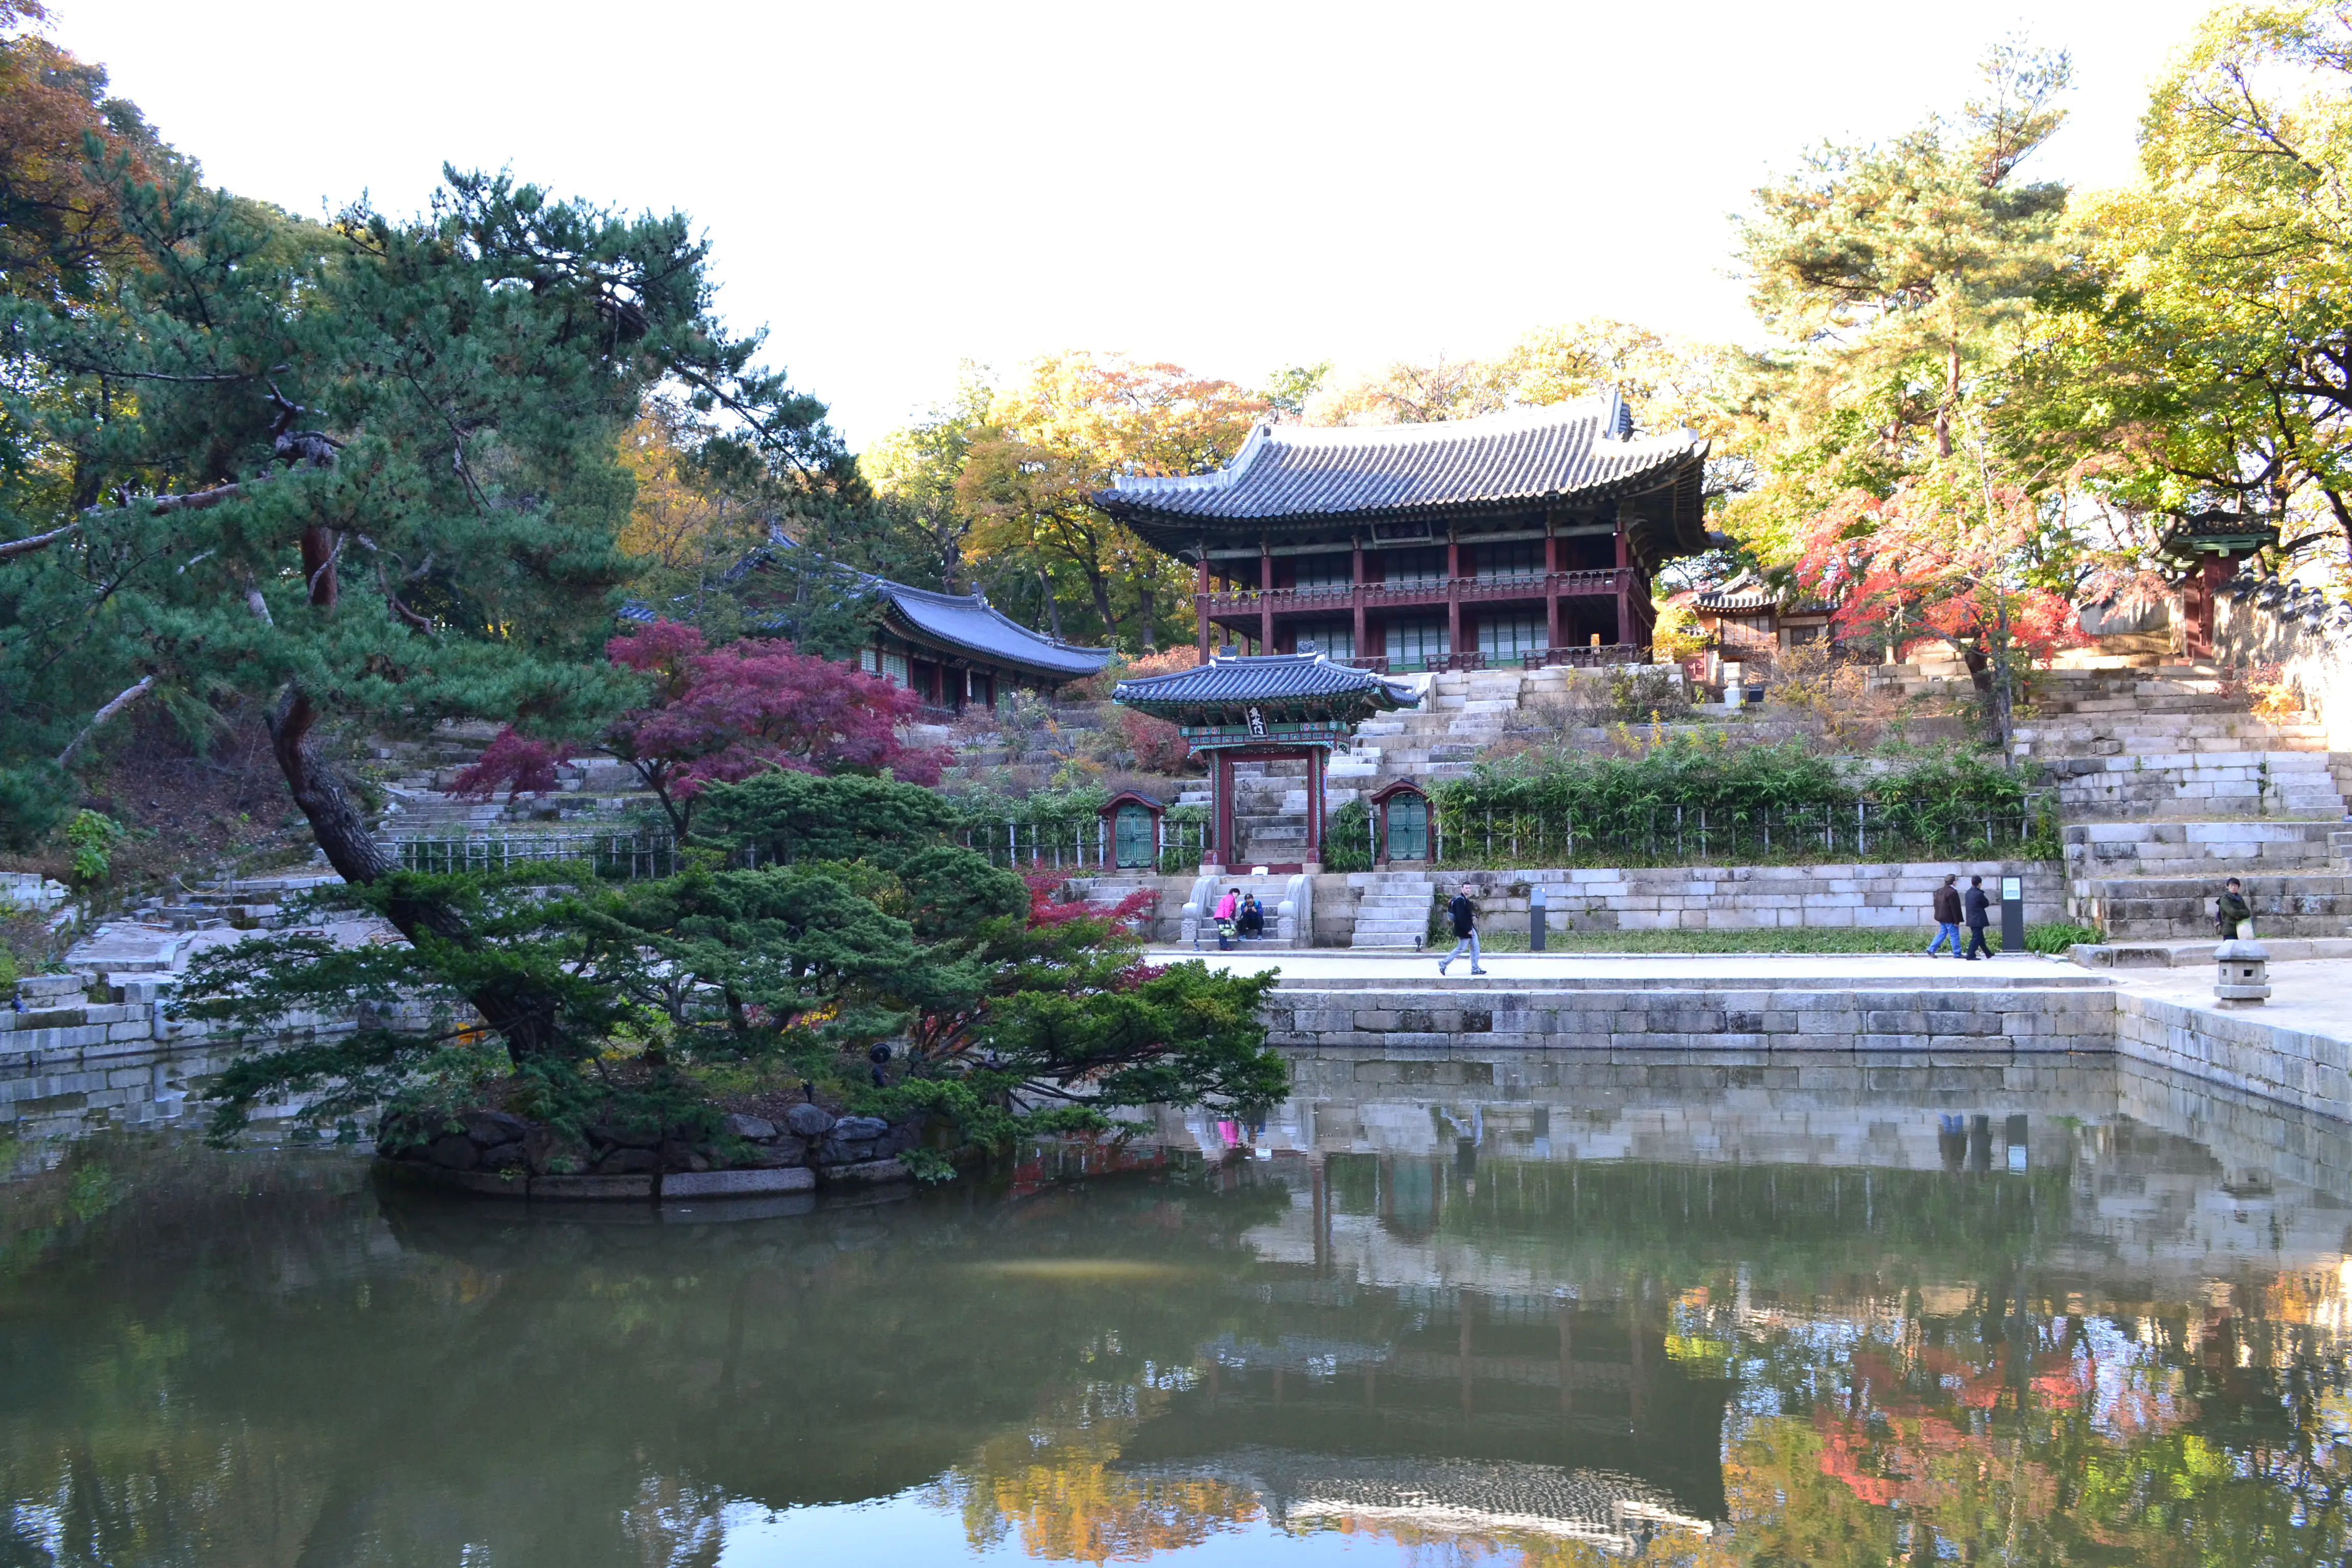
[1926, 563]
[723, 714]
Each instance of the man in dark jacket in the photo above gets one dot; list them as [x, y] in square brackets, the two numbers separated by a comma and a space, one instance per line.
[1976, 907]
[2230, 911]
[1466, 929]
[1948, 919]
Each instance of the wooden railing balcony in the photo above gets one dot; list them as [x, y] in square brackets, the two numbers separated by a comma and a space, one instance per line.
[1585, 657]
[1406, 596]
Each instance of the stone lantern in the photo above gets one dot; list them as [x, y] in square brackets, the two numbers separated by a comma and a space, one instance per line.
[2242, 977]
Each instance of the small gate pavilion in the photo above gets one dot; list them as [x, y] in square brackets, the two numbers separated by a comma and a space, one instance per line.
[1264, 708]
[1515, 540]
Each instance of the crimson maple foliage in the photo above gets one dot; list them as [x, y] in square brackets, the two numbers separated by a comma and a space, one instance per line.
[513, 763]
[1916, 566]
[719, 715]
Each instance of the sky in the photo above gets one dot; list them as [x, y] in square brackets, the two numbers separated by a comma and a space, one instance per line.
[892, 189]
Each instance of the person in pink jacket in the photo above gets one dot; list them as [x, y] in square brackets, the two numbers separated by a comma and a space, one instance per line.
[1224, 911]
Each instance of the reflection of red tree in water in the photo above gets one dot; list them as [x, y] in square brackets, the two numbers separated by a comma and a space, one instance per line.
[1895, 1445]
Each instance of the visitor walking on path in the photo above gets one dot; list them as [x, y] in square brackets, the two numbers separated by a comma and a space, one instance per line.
[1974, 905]
[2230, 911]
[1465, 930]
[1948, 919]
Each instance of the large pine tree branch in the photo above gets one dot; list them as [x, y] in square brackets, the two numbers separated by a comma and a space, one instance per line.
[145, 685]
[155, 505]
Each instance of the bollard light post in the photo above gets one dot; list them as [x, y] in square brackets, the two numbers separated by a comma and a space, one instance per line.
[1536, 919]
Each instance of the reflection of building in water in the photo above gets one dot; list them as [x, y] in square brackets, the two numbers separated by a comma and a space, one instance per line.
[1453, 1497]
[1454, 1410]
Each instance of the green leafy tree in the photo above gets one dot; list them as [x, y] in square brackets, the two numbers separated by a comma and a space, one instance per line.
[366, 472]
[1899, 279]
[2200, 354]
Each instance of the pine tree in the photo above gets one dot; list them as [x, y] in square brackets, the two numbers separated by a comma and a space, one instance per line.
[365, 471]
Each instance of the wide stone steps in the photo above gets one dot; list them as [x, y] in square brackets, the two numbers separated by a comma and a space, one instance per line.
[2285, 904]
[2195, 785]
[2224, 847]
[1392, 910]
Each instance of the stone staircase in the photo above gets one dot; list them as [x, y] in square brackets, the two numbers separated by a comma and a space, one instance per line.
[2169, 785]
[2174, 741]
[1287, 899]
[1270, 812]
[1392, 909]
[1461, 713]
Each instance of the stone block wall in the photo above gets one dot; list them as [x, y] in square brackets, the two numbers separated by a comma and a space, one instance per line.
[87, 1052]
[1891, 897]
[2316, 661]
[1896, 896]
[2226, 848]
[1640, 1023]
[2238, 1050]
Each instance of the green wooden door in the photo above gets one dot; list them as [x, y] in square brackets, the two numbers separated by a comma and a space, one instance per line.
[1408, 828]
[1131, 831]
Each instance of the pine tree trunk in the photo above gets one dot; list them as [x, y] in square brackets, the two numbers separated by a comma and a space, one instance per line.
[520, 1012]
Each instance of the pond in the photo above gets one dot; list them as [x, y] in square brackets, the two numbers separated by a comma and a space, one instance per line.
[1431, 1312]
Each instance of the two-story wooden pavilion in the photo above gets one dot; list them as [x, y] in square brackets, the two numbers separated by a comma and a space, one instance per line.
[1521, 539]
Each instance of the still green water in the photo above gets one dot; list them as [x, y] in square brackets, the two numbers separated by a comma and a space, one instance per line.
[1480, 1321]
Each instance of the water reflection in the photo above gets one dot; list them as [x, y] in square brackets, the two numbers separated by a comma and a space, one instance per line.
[2083, 1317]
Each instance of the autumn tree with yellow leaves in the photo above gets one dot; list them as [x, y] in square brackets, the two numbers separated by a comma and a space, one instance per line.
[1058, 437]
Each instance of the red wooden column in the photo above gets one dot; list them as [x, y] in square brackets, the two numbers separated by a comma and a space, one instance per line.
[1551, 591]
[1201, 602]
[1624, 587]
[1453, 602]
[1266, 601]
[1356, 594]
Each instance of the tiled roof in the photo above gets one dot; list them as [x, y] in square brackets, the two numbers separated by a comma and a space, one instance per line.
[1740, 602]
[957, 623]
[1308, 680]
[2217, 530]
[968, 623]
[1292, 472]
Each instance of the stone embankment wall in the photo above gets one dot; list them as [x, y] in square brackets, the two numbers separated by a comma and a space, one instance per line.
[71, 1059]
[1649, 1026]
[2241, 1050]
[1703, 1038]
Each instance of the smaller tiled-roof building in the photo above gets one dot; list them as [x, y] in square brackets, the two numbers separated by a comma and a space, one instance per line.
[1752, 623]
[952, 650]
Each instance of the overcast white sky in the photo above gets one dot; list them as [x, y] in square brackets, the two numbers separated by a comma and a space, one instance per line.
[893, 188]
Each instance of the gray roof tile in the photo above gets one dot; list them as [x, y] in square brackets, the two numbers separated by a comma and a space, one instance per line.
[967, 621]
[1306, 679]
[1575, 450]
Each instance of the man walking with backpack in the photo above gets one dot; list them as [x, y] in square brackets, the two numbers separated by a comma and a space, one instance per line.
[1976, 907]
[1464, 915]
[1948, 919]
